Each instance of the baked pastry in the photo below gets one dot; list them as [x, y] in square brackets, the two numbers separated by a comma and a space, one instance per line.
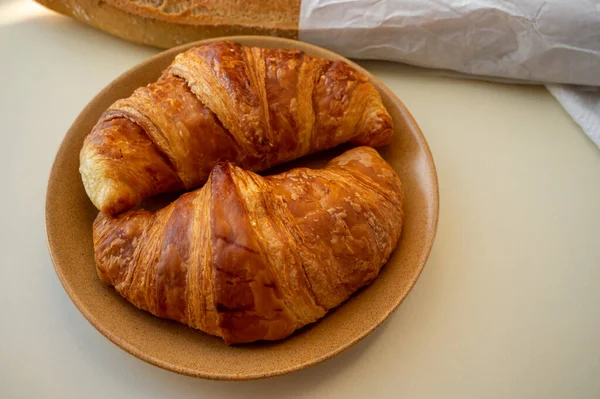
[252, 258]
[169, 23]
[222, 101]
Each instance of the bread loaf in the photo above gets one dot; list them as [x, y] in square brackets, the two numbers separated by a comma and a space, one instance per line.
[169, 23]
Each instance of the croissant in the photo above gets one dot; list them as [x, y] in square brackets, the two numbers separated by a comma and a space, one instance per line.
[256, 107]
[250, 258]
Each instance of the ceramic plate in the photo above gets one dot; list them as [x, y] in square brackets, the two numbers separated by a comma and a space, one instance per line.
[173, 346]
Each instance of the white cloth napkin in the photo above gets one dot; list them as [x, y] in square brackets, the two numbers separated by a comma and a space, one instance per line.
[539, 41]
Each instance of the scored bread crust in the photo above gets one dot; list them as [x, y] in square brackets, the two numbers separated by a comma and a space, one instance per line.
[169, 23]
[268, 14]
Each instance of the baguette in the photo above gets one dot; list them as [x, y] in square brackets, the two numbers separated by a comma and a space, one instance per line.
[170, 23]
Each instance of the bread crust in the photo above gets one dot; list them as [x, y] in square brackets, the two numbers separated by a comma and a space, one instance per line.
[170, 23]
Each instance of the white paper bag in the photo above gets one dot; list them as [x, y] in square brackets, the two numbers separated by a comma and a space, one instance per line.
[535, 40]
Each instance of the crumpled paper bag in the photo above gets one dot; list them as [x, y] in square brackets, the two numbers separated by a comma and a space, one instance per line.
[534, 40]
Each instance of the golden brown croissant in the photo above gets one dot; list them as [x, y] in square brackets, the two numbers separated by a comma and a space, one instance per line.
[253, 258]
[222, 101]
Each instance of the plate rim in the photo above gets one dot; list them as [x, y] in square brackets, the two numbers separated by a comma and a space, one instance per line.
[189, 371]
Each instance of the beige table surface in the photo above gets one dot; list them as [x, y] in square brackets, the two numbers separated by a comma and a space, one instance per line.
[508, 305]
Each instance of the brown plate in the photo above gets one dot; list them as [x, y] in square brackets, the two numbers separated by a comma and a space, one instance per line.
[173, 346]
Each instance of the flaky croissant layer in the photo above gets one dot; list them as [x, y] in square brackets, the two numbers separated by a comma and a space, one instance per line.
[222, 101]
[252, 258]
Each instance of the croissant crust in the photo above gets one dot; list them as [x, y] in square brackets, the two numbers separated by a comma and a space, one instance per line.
[252, 258]
[255, 107]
